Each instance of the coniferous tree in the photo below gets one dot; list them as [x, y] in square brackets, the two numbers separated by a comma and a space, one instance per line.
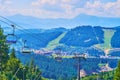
[11, 67]
[12, 55]
[32, 71]
[3, 50]
[117, 72]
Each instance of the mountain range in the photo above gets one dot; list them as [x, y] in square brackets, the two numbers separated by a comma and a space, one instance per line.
[92, 39]
[48, 23]
[81, 31]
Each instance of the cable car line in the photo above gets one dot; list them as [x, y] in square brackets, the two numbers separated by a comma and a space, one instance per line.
[4, 22]
[25, 31]
[20, 27]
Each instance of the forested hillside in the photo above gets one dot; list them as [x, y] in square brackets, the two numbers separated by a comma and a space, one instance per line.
[11, 67]
[84, 36]
[39, 40]
[115, 41]
[93, 39]
[87, 39]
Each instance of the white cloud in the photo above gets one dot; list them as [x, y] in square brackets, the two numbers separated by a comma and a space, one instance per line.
[43, 2]
[8, 1]
[66, 1]
[97, 8]
[53, 2]
[66, 6]
[4, 2]
[4, 5]
[62, 8]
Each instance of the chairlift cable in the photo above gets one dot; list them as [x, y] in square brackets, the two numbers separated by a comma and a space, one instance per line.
[18, 29]
[4, 22]
[19, 26]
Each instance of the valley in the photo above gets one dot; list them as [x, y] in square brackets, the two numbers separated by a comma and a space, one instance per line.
[95, 52]
[56, 50]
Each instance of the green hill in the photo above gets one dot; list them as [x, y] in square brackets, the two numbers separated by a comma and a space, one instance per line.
[54, 43]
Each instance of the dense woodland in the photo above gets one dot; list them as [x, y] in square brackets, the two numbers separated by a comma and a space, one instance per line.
[115, 41]
[39, 40]
[16, 66]
[80, 37]
[111, 75]
[65, 69]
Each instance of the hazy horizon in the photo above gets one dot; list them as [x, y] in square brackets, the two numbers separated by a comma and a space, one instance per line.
[67, 13]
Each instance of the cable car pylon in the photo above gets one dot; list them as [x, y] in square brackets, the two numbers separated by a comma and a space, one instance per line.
[79, 57]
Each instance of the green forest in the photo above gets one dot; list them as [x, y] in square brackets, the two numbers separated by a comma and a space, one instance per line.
[111, 75]
[11, 67]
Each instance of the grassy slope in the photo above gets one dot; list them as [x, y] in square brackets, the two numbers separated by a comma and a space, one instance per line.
[108, 33]
[54, 43]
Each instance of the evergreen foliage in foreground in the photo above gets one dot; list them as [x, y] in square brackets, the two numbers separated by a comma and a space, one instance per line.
[117, 72]
[11, 68]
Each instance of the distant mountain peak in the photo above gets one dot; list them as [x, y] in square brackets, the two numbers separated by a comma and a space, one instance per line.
[82, 19]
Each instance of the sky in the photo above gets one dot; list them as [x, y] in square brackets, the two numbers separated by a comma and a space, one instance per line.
[60, 8]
